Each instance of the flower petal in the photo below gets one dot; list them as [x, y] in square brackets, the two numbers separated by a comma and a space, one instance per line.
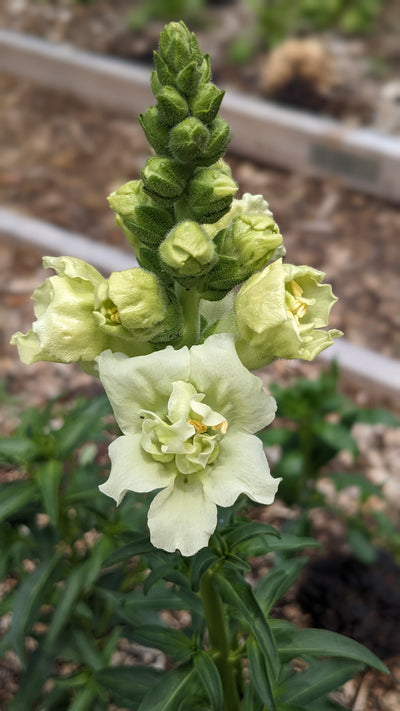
[133, 470]
[181, 517]
[141, 383]
[241, 468]
[215, 369]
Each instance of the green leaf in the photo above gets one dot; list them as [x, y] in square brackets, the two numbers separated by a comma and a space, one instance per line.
[259, 674]
[18, 449]
[210, 679]
[80, 425]
[15, 496]
[288, 542]
[319, 679]
[293, 642]
[31, 595]
[251, 700]
[172, 642]
[377, 416]
[30, 686]
[201, 562]
[246, 531]
[343, 479]
[138, 545]
[173, 688]
[336, 436]
[48, 475]
[238, 593]
[164, 572]
[361, 544]
[128, 683]
[277, 582]
[83, 699]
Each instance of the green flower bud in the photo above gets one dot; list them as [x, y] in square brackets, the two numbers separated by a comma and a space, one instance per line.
[156, 132]
[220, 136]
[188, 78]
[206, 103]
[178, 46]
[278, 312]
[171, 105]
[187, 250]
[210, 192]
[139, 216]
[164, 74]
[150, 223]
[136, 300]
[188, 140]
[163, 179]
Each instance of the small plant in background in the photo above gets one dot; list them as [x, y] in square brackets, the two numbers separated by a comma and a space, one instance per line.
[173, 342]
[276, 20]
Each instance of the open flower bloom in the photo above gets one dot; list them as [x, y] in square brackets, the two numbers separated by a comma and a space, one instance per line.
[279, 314]
[79, 314]
[188, 419]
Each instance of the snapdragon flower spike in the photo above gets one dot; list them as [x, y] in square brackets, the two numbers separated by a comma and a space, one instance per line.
[79, 314]
[188, 419]
[280, 313]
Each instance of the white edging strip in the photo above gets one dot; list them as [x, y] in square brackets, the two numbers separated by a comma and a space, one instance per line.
[55, 240]
[265, 132]
[377, 370]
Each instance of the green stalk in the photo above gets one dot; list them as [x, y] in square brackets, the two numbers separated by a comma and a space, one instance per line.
[214, 614]
[189, 299]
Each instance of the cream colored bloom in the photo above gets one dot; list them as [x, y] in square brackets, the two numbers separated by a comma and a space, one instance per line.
[79, 314]
[280, 313]
[188, 419]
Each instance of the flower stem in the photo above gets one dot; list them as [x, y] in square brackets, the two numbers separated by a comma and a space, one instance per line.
[214, 615]
[189, 299]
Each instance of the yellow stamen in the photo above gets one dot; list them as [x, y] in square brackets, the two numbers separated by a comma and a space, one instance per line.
[299, 308]
[221, 426]
[198, 426]
[113, 315]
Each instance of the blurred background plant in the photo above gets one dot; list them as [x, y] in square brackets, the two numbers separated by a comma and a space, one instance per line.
[315, 424]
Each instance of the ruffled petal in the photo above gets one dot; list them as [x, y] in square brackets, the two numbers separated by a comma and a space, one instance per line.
[182, 517]
[241, 468]
[141, 383]
[133, 470]
[215, 369]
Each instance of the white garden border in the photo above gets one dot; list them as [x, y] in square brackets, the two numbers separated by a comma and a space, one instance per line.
[262, 131]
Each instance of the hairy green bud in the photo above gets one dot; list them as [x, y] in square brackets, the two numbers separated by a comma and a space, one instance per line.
[206, 102]
[163, 179]
[220, 136]
[155, 130]
[139, 216]
[210, 192]
[171, 105]
[187, 250]
[188, 140]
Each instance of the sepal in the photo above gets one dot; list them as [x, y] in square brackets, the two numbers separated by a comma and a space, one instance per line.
[155, 131]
